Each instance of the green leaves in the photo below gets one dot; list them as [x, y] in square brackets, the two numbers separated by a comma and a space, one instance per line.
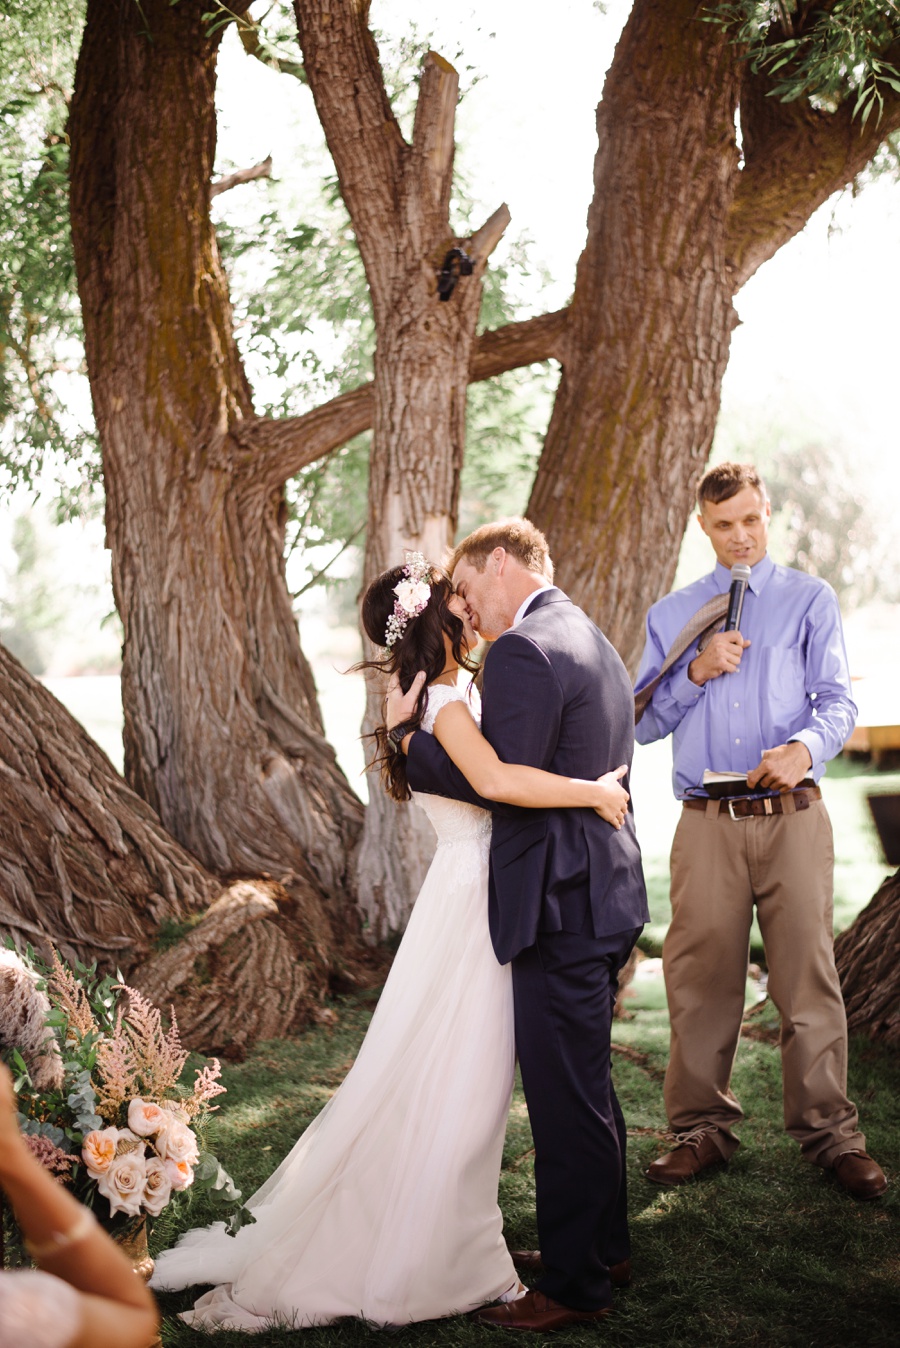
[211, 1177]
[82, 1101]
[41, 358]
[828, 55]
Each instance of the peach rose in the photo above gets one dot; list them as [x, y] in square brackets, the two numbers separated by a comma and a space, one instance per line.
[180, 1173]
[98, 1151]
[146, 1119]
[123, 1183]
[157, 1186]
[178, 1143]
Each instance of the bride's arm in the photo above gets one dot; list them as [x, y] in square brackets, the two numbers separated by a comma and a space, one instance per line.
[516, 784]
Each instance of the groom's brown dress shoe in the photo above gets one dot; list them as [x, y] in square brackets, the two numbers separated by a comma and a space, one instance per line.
[856, 1172]
[694, 1151]
[537, 1313]
[531, 1264]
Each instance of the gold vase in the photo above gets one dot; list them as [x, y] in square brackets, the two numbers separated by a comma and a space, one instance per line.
[132, 1240]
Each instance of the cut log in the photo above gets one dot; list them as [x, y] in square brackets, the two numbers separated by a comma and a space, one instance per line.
[235, 977]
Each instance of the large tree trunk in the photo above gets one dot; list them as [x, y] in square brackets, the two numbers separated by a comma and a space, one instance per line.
[398, 196]
[650, 320]
[87, 868]
[223, 736]
[676, 226]
[85, 864]
[868, 961]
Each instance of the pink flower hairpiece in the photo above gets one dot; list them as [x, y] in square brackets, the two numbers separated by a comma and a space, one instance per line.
[412, 596]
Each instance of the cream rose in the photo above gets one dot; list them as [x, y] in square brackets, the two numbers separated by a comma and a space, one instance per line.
[178, 1143]
[180, 1173]
[98, 1151]
[157, 1186]
[146, 1119]
[123, 1183]
[412, 595]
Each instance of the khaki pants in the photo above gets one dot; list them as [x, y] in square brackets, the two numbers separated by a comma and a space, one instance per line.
[720, 869]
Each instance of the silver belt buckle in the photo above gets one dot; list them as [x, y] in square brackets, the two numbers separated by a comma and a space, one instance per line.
[742, 818]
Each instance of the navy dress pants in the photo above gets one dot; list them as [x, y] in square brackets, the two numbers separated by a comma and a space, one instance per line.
[565, 989]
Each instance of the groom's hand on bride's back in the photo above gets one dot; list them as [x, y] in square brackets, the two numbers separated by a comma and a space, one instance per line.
[400, 706]
[613, 803]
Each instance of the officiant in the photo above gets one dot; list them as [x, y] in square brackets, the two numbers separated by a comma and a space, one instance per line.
[766, 704]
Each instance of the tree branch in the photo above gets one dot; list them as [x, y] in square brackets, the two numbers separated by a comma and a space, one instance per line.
[795, 158]
[485, 240]
[518, 344]
[277, 448]
[344, 73]
[247, 175]
[433, 142]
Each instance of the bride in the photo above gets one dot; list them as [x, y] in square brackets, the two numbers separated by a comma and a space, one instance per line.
[386, 1208]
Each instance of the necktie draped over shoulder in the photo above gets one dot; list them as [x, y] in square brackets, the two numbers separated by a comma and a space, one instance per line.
[709, 619]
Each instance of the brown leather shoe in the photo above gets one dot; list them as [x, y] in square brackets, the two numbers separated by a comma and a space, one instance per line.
[536, 1313]
[862, 1177]
[531, 1264]
[693, 1152]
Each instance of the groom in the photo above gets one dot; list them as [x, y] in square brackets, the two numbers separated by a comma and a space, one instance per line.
[567, 901]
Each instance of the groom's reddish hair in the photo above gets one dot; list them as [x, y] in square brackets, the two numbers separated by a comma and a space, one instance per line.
[517, 536]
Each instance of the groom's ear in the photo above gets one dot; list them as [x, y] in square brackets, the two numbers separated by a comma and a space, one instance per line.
[498, 558]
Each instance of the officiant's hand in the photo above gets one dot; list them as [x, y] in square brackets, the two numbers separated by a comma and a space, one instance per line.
[400, 706]
[781, 768]
[721, 656]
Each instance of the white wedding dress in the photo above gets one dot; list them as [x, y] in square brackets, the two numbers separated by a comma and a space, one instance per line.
[386, 1208]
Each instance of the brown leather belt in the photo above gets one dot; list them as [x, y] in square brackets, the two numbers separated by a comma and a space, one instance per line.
[745, 807]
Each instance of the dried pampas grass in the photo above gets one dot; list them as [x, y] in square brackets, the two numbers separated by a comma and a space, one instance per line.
[23, 1010]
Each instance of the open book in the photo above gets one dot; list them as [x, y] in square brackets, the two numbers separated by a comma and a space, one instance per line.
[718, 784]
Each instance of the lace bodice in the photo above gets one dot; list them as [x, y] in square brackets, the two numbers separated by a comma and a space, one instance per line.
[453, 820]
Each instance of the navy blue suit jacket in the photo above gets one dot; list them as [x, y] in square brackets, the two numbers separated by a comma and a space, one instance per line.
[556, 696]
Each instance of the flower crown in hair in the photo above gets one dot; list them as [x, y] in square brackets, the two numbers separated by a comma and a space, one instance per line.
[413, 594]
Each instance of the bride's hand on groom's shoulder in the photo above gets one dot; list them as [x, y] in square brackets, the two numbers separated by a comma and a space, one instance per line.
[612, 804]
[400, 706]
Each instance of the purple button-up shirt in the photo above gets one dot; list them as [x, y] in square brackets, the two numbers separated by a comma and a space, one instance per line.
[793, 682]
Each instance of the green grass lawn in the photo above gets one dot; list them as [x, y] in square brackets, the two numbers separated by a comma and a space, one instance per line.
[769, 1253]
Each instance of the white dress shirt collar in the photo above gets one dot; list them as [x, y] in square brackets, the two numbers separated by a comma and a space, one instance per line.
[527, 602]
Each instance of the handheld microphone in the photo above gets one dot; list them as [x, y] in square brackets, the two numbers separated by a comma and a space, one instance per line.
[740, 579]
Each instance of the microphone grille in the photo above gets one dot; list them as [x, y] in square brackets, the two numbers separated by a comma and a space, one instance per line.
[740, 571]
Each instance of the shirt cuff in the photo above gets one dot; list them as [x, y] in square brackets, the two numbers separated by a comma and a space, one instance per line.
[813, 742]
[682, 689]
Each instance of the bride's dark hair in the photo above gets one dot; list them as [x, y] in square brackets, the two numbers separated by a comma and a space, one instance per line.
[419, 646]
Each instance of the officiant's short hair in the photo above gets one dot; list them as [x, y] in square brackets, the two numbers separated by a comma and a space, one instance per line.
[726, 480]
[518, 536]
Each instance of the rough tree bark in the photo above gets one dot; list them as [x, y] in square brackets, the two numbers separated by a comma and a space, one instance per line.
[85, 864]
[866, 957]
[87, 867]
[676, 226]
[223, 736]
[398, 196]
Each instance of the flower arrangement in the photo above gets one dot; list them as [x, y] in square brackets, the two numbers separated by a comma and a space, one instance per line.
[113, 1117]
[412, 596]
